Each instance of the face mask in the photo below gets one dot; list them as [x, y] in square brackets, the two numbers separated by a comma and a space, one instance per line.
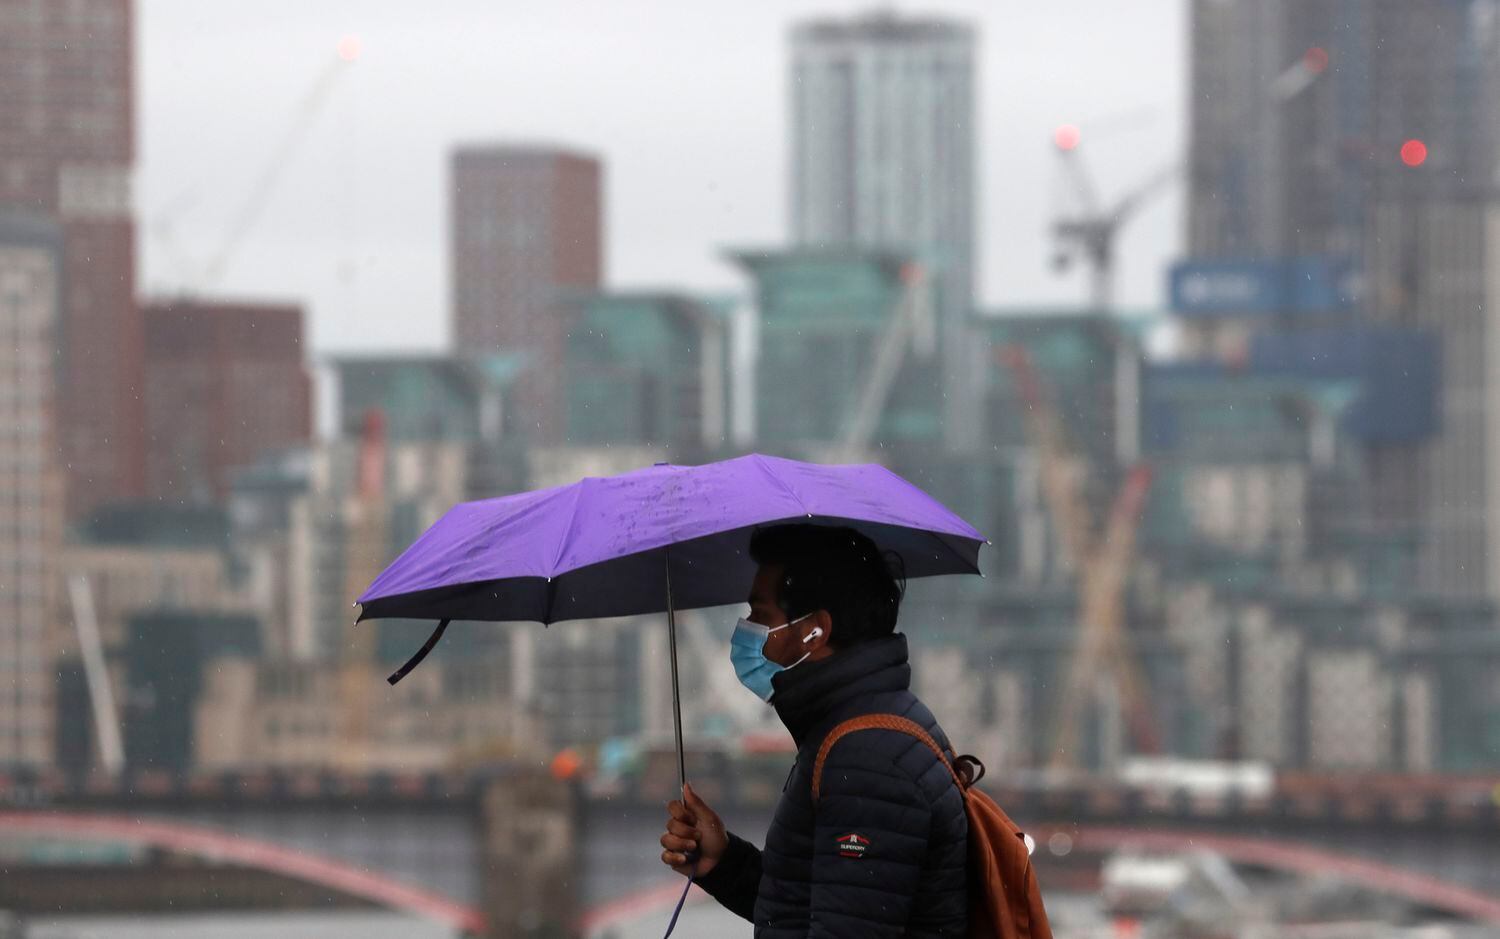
[747, 650]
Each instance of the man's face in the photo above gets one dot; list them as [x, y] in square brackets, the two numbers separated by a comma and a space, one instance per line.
[785, 646]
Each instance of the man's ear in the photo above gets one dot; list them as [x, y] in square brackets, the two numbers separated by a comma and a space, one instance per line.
[821, 632]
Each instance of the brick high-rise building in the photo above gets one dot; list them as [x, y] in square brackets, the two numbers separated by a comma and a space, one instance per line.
[526, 223]
[66, 151]
[30, 507]
[226, 383]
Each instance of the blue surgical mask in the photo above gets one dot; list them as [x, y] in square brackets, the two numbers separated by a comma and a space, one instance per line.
[747, 650]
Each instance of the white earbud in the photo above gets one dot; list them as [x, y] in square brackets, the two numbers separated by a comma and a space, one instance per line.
[817, 631]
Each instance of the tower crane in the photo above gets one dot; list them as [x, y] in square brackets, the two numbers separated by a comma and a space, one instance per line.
[263, 186]
[1104, 561]
[1091, 233]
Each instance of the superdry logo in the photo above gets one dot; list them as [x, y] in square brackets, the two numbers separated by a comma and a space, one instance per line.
[852, 845]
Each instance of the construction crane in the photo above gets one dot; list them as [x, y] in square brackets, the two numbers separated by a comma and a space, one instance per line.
[263, 186]
[725, 698]
[910, 326]
[1091, 233]
[1103, 561]
[1104, 645]
[365, 515]
[107, 728]
[1103, 565]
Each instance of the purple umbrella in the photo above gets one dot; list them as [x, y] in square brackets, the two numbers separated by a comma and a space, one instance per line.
[664, 538]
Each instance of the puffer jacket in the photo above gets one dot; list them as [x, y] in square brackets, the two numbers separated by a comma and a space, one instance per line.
[882, 854]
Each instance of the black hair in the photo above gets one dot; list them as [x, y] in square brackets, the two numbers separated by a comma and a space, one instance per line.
[836, 569]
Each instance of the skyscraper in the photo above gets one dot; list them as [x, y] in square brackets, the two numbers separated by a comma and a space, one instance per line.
[882, 156]
[526, 221]
[66, 151]
[1301, 110]
[226, 384]
[31, 510]
[1365, 134]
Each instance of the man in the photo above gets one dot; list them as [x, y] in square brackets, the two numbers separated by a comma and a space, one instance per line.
[882, 852]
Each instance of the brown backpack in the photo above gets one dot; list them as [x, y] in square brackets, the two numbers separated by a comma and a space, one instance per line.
[1004, 900]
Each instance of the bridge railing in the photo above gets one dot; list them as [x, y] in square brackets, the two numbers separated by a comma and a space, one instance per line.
[1353, 799]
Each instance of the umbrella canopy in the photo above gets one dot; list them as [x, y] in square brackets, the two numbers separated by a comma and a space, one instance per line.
[606, 547]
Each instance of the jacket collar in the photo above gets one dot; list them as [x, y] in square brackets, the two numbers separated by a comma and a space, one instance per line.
[805, 695]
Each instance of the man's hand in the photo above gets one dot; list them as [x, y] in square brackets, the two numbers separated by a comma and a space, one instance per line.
[692, 826]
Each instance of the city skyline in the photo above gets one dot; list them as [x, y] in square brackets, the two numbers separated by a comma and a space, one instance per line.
[356, 231]
[556, 266]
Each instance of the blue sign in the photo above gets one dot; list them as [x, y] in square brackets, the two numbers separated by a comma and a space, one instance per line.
[1231, 287]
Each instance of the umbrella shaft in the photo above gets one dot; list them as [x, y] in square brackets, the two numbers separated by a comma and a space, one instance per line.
[676, 687]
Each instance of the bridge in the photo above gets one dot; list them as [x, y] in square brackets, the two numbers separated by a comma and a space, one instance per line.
[218, 846]
[1429, 893]
[486, 855]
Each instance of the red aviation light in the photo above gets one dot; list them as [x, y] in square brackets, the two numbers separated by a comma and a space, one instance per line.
[1414, 152]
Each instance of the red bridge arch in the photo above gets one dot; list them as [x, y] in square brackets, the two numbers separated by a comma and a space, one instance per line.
[1430, 892]
[214, 845]
[1295, 857]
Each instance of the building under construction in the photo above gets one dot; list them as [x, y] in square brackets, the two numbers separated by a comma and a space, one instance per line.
[1269, 610]
[1362, 137]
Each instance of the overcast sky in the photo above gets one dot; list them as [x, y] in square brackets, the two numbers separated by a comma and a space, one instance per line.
[683, 99]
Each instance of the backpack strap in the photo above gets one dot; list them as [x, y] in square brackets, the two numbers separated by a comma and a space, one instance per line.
[878, 722]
